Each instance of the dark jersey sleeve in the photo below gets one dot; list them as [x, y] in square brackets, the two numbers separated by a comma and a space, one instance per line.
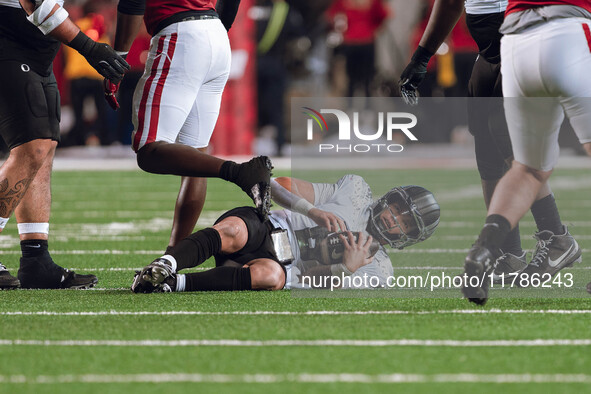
[132, 7]
[227, 10]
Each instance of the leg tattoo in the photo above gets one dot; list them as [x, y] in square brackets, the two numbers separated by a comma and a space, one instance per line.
[9, 198]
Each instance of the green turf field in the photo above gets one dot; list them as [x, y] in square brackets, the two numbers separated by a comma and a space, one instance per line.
[107, 340]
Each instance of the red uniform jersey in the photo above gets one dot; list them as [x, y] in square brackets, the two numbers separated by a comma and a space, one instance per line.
[521, 5]
[159, 10]
[362, 20]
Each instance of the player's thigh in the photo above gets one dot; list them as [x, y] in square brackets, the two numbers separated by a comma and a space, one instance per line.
[533, 120]
[29, 105]
[534, 125]
[178, 64]
[565, 56]
[568, 71]
[200, 122]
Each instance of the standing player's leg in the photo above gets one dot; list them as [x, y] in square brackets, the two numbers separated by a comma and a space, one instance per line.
[188, 207]
[180, 63]
[487, 120]
[30, 127]
[533, 126]
[37, 269]
[196, 132]
[487, 124]
[565, 77]
[16, 175]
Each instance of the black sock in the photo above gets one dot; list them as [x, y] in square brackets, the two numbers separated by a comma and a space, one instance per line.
[33, 247]
[196, 248]
[494, 232]
[229, 171]
[37, 269]
[546, 215]
[512, 243]
[219, 279]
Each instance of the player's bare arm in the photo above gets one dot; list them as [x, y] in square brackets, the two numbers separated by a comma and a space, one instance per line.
[130, 14]
[52, 19]
[444, 17]
[298, 195]
[442, 20]
[128, 27]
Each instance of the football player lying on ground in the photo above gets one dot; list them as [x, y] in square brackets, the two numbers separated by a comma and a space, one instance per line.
[326, 230]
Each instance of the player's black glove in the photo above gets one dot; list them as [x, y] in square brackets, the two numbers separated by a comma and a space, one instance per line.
[101, 56]
[413, 75]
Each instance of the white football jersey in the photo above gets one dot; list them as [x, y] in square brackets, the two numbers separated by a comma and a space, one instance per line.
[350, 199]
[479, 7]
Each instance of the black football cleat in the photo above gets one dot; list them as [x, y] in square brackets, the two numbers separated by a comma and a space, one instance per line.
[477, 266]
[254, 178]
[41, 272]
[153, 278]
[7, 281]
[589, 287]
[507, 267]
[72, 280]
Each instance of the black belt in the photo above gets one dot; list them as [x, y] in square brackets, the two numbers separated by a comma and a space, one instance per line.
[186, 16]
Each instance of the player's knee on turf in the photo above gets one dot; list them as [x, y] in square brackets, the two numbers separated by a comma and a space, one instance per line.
[233, 232]
[266, 274]
[587, 147]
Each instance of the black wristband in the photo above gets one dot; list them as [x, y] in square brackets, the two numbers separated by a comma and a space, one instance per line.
[82, 43]
[422, 55]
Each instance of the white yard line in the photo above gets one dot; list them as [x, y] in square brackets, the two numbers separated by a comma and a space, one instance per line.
[298, 378]
[305, 313]
[159, 252]
[298, 343]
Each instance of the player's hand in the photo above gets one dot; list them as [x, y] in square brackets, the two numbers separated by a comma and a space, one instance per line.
[111, 89]
[327, 219]
[413, 75]
[101, 57]
[356, 254]
[107, 62]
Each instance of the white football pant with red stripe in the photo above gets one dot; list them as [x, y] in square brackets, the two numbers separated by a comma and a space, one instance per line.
[547, 74]
[178, 98]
